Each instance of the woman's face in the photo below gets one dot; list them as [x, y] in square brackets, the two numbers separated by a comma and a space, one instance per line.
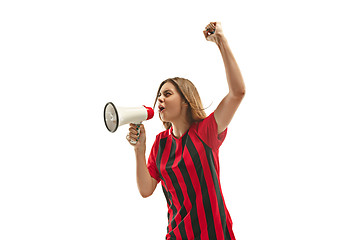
[170, 103]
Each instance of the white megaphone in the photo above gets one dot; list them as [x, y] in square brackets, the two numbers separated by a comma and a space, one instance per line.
[118, 116]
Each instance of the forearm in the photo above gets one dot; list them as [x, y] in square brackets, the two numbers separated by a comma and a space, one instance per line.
[143, 177]
[234, 78]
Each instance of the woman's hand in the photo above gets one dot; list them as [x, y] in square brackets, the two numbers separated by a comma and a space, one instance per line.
[138, 138]
[213, 32]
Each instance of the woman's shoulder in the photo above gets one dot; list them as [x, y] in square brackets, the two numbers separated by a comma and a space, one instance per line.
[207, 130]
[203, 121]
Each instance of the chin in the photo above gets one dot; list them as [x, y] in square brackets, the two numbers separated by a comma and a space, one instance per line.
[162, 118]
[165, 118]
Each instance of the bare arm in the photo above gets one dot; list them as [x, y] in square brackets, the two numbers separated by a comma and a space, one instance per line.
[228, 106]
[146, 183]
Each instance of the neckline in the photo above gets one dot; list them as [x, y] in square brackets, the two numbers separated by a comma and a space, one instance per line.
[178, 139]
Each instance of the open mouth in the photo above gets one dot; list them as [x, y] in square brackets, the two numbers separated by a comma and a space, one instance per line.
[161, 108]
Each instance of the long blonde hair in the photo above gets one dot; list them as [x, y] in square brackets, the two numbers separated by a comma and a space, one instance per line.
[190, 95]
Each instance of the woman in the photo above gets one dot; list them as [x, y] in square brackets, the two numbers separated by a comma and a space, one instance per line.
[185, 157]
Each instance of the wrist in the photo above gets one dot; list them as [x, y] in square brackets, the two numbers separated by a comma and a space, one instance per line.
[221, 41]
[140, 150]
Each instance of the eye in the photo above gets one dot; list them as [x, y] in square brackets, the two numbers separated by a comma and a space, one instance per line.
[166, 93]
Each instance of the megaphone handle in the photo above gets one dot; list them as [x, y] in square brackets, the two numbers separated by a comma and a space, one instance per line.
[138, 130]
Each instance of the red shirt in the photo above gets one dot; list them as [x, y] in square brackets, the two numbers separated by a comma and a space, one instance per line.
[188, 169]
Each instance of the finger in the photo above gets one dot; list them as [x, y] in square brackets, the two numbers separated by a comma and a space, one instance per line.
[135, 138]
[134, 135]
[208, 32]
[137, 132]
[132, 143]
[132, 139]
[133, 130]
[213, 26]
[134, 126]
[205, 34]
[129, 139]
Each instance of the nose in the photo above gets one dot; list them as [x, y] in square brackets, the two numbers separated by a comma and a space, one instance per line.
[161, 99]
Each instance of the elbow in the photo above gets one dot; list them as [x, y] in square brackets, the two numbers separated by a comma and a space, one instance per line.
[146, 190]
[242, 93]
[145, 194]
[238, 95]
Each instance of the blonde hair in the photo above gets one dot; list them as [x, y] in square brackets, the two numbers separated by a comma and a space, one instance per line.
[190, 95]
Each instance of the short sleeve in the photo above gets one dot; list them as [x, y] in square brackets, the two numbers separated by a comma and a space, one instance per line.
[151, 164]
[208, 131]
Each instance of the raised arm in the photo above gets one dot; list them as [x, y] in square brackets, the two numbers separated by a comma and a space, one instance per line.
[228, 106]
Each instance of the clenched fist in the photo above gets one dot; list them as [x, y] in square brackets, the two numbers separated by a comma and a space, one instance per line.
[213, 32]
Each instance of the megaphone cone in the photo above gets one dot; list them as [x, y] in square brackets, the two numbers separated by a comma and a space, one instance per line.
[118, 116]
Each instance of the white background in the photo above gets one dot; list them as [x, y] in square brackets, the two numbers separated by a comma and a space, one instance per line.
[290, 162]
